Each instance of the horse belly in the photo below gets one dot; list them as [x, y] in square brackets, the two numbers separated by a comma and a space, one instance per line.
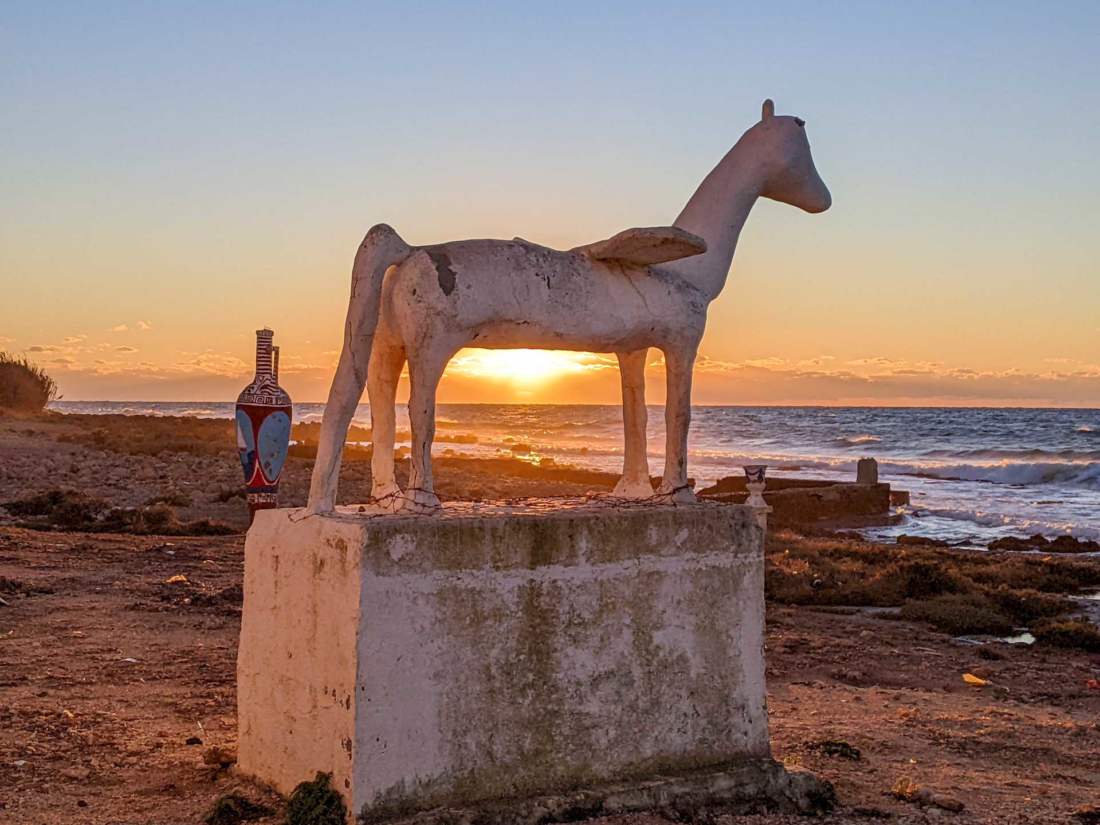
[494, 295]
[588, 318]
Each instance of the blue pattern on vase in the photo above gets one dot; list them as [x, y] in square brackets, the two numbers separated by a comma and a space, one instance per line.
[246, 445]
[274, 443]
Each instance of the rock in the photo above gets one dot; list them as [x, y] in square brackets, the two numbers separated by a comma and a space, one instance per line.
[219, 757]
[232, 596]
[193, 740]
[809, 795]
[899, 498]
[867, 471]
[1088, 814]
[1035, 542]
[909, 791]
[1068, 544]
[836, 747]
[797, 501]
[922, 541]
[948, 803]
[232, 808]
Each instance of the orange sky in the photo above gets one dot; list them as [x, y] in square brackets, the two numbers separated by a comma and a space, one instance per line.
[160, 204]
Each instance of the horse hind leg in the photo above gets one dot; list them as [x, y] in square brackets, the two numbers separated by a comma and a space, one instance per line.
[425, 370]
[674, 483]
[386, 363]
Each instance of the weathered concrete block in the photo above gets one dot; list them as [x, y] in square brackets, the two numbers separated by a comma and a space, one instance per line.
[498, 652]
[867, 471]
[799, 502]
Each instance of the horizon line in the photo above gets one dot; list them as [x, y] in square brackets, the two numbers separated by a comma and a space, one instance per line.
[777, 405]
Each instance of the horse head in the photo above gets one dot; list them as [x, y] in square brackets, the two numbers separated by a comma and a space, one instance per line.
[790, 174]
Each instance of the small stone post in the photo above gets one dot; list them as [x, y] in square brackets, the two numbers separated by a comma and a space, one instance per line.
[867, 471]
[755, 482]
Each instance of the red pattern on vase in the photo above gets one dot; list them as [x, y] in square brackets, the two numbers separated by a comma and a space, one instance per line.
[264, 415]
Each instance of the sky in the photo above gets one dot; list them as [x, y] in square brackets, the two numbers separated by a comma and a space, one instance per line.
[174, 176]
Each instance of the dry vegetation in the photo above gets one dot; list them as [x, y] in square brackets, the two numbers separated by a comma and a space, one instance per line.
[1069, 633]
[152, 434]
[24, 387]
[956, 591]
[70, 510]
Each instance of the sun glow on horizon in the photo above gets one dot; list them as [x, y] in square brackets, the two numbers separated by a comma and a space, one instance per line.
[526, 369]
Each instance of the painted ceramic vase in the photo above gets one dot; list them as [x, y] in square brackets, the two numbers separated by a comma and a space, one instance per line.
[264, 414]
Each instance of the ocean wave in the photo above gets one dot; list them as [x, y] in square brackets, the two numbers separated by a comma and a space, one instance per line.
[1019, 474]
[1085, 428]
[1017, 454]
[855, 440]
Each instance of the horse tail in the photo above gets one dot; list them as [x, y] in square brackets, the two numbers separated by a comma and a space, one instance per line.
[381, 249]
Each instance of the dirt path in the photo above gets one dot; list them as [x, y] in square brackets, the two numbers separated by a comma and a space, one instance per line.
[89, 736]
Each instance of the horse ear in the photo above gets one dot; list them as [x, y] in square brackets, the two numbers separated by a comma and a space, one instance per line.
[768, 111]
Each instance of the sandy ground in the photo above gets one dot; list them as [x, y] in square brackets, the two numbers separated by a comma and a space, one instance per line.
[39, 455]
[115, 682]
[107, 671]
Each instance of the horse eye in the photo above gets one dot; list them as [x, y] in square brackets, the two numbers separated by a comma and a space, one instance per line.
[800, 121]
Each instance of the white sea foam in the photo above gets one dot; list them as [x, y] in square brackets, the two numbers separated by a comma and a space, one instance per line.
[1015, 473]
[856, 440]
[1020, 526]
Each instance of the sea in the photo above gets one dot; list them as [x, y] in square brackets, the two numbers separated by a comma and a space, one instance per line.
[973, 474]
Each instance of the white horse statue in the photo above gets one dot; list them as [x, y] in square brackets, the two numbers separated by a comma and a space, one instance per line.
[641, 288]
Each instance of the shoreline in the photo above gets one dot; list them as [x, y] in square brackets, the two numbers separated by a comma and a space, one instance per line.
[961, 490]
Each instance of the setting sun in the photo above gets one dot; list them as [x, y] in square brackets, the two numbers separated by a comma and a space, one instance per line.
[525, 368]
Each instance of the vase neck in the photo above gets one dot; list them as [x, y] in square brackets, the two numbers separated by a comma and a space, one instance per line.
[264, 355]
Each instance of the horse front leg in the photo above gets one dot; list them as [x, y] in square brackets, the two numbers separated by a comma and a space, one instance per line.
[425, 370]
[674, 483]
[343, 399]
[635, 479]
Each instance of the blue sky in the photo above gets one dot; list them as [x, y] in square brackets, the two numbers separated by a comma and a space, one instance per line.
[163, 161]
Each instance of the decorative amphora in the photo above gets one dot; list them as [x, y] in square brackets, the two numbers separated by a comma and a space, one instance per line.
[264, 414]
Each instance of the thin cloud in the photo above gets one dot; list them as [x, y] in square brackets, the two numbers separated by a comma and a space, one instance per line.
[144, 325]
[125, 349]
[120, 328]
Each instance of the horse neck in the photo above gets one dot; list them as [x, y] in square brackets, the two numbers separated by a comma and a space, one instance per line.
[716, 213]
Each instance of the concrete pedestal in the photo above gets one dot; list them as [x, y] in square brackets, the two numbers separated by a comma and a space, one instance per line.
[501, 652]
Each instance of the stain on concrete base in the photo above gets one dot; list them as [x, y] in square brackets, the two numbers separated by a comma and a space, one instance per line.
[748, 786]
